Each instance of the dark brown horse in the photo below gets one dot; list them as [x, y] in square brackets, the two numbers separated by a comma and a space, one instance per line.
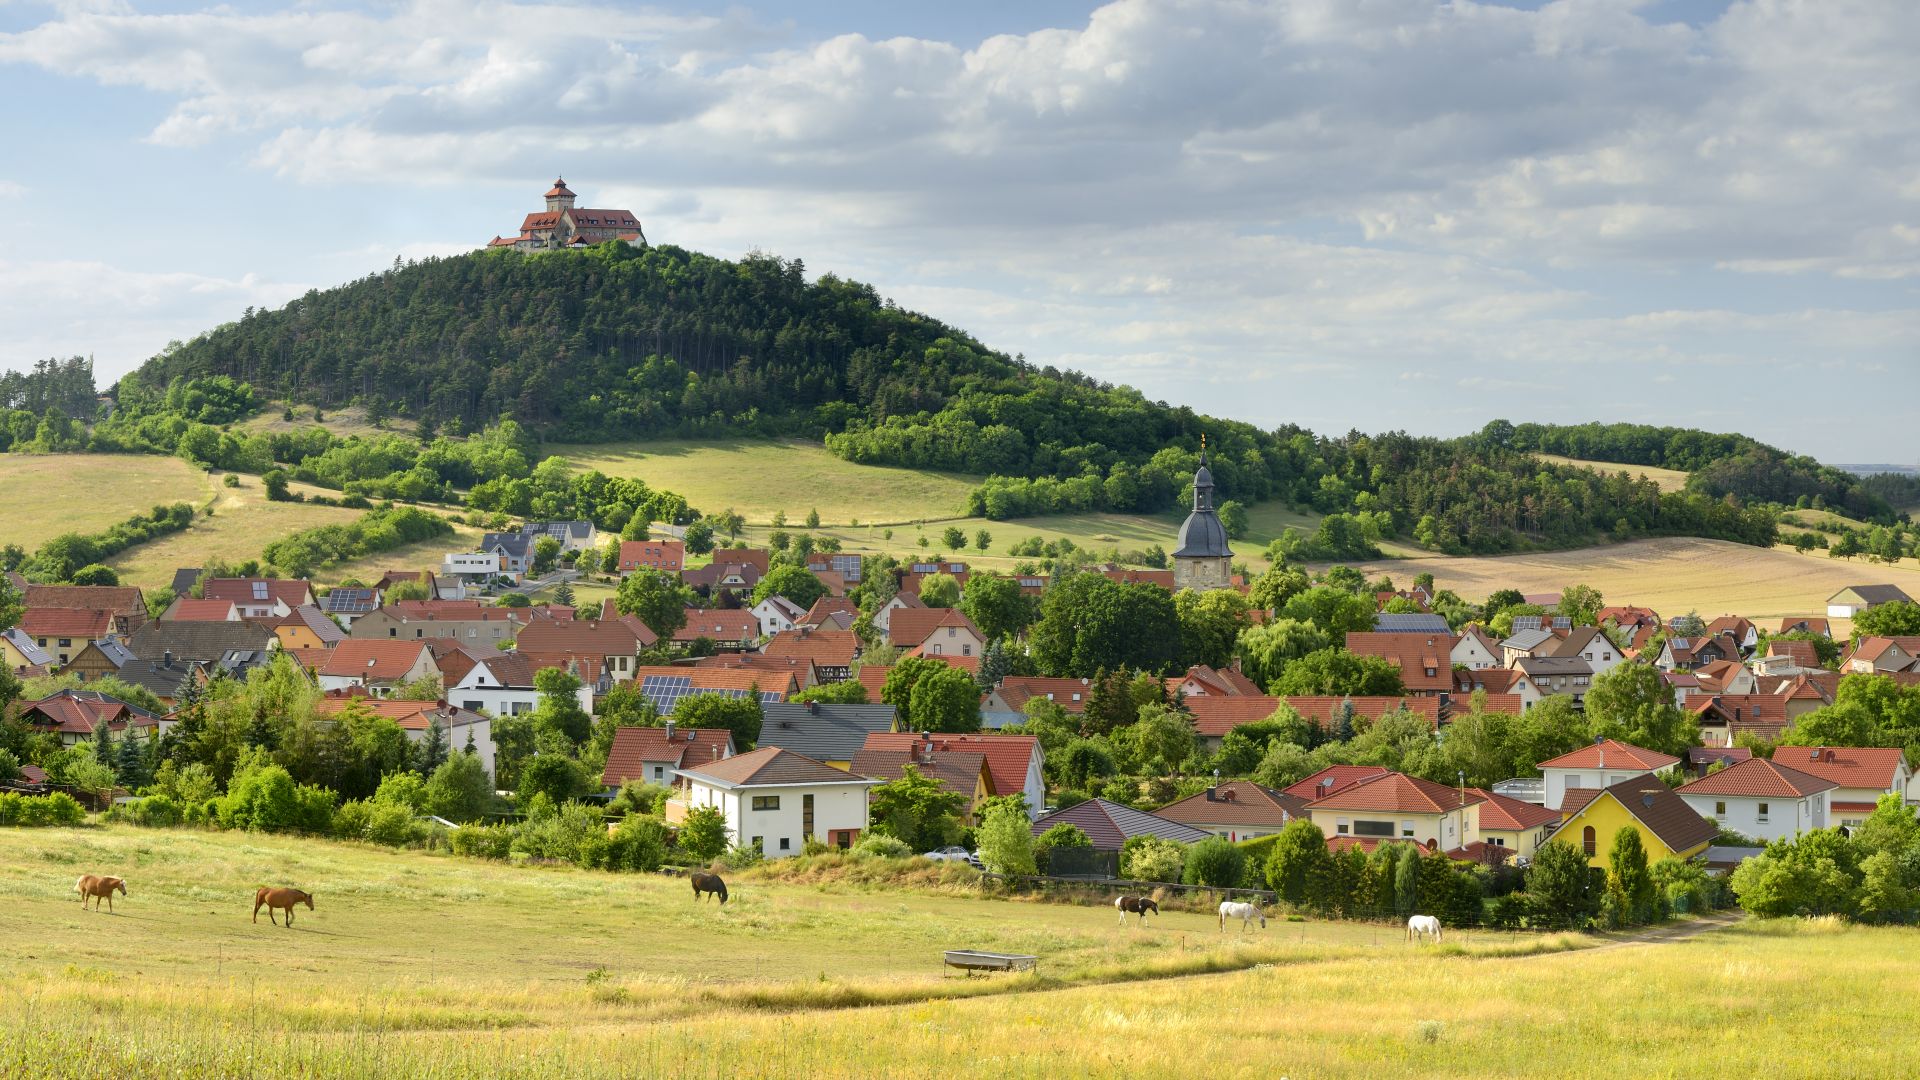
[92, 885]
[708, 883]
[280, 898]
[1139, 905]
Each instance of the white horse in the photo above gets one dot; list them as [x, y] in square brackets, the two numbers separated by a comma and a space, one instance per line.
[1420, 926]
[1246, 913]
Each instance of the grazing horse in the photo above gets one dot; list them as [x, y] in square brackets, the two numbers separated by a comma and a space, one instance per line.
[1139, 905]
[280, 898]
[1421, 926]
[708, 883]
[98, 887]
[1246, 913]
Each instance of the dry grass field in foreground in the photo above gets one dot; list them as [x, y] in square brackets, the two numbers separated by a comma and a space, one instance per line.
[1672, 575]
[44, 495]
[424, 965]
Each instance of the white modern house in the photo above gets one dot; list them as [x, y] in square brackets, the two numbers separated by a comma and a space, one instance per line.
[1600, 765]
[777, 615]
[1762, 799]
[503, 686]
[776, 800]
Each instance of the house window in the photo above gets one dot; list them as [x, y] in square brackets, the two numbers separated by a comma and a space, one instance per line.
[659, 772]
[1587, 840]
[1762, 819]
[766, 802]
[1406, 828]
[473, 706]
[786, 843]
[66, 642]
[760, 843]
[966, 650]
[1373, 828]
[1720, 808]
[393, 631]
[1342, 826]
[1498, 841]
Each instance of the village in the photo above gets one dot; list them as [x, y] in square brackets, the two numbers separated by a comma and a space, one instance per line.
[855, 691]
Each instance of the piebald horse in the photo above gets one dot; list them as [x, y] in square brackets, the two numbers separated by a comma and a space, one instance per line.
[1421, 926]
[1246, 913]
[280, 898]
[92, 885]
[708, 883]
[1139, 905]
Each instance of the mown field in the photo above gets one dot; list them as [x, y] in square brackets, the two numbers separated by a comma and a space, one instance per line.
[1667, 479]
[416, 966]
[1672, 575]
[44, 495]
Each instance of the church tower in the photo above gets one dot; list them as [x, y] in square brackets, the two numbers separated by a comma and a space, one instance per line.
[1203, 560]
[559, 198]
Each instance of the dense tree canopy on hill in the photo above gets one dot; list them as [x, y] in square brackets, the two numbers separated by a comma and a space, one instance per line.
[620, 343]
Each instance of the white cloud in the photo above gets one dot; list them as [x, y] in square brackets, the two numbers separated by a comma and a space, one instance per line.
[11, 190]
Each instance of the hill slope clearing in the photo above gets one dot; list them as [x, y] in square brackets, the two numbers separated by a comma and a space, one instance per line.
[44, 495]
[1668, 479]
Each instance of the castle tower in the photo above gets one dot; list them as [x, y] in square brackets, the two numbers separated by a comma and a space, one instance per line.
[559, 198]
[1203, 560]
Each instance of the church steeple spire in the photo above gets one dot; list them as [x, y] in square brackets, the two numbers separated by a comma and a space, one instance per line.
[1203, 483]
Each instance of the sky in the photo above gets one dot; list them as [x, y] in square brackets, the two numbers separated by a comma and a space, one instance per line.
[1345, 214]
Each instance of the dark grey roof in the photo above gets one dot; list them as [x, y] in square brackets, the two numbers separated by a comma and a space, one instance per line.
[33, 653]
[348, 601]
[1388, 623]
[1109, 824]
[513, 543]
[117, 654]
[196, 640]
[559, 530]
[163, 678]
[1526, 639]
[183, 579]
[1553, 665]
[1202, 536]
[821, 731]
[1878, 594]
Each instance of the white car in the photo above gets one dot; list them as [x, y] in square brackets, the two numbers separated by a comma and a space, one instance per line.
[954, 853]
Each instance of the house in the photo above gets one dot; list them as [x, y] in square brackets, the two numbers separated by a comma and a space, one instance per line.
[1331, 779]
[1015, 761]
[187, 609]
[653, 754]
[390, 578]
[1806, 624]
[727, 628]
[1702, 758]
[1869, 656]
[1589, 645]
[1015, 691]
[209, 642]
[1203, 681]
[513, 550]
[832, 613]
[664, 686]
[459, 727]
[63, 632]
[1689, 653]
[1787, 658]
[1389, 623]
[467, 621]
[1855, 599]
[347, 603]
[1475, 651]
[471, 569]
[572, 535]
[823, 731]
[732, 570]
[1600, 765]
[778, 668]
[935, 632]
[832, 652]
[457, 660]
[775, 800]
[610, 646]
[1419, 596]
[1213, 716]
[1627, 616]
[1761, 798]
[900, 601]
[502, 685]
[72, 715]
[377, 666]
[1109, 825]
[1726, 677]
[1520, 827]
[1862, 773]
[1237, 810]
[666, 556]
[23, 655]
[1524, 643]
[1725, 717]
[1500, 681]
[847, 565]
[1742, 632]
[256, 597]
[1395, 807]
[305, 627]
[1425, 660]
[1668, 827]
[961, 771]
[777, 614]
[124, 603]
[1557, 675]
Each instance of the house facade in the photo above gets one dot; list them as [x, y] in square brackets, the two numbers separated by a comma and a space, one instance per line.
[776, 800]
[1668, 827]
[1395, 807]
[1600, 765]
[1761, 798]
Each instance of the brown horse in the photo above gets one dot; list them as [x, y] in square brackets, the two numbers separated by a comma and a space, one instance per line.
[1139, 905]
[280, 898]
[708, 883]
[98, 887]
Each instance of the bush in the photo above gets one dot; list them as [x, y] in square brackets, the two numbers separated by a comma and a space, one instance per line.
[1215, 861]
[350, 820]
[59, 808]
[395, 825]
[1151, 858]
[459, 790]
[638, 843]
[703, 835]
[741, 856]
[559, 834]
[156, 811]
[877, 846]
[483, 841]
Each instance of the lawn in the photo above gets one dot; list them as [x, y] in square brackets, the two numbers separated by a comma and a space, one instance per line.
[416, 965]
[759, 477]
[1667, 479]
[44, 495]
[344, 423]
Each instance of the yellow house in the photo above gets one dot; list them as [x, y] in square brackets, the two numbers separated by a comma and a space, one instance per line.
[1668, 827]
[1393, 806]
[22, 655]
[306, 627]
[1519, 827]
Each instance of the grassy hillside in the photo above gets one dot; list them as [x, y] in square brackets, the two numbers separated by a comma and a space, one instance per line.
[1668, 479]
[1672, 575]
[432, 966]
[42, 496]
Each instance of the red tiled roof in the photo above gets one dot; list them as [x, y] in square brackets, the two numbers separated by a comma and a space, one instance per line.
[873, 677]
[118, 599]
[188, 609]
[66, 623]
[668, 556]
[1331, 779]
[1811, 623]
[909, 627]
[955, 770]
[1226, 681]
[1495, 680]
[829, 605]
[968, 664]
[1417, 655]
[1213, 717]
[719, 624]
[1802, 653]
[1847, 766]
[1758, 777]
[1503, 814]
[410, 715]
[1236, 802]
[290, 591]
[1611, 754]
[826, 648]
[1397, 793]
[77, 712]
[634, 748]
[372, 658]
[1069, 694]
[1008, 756]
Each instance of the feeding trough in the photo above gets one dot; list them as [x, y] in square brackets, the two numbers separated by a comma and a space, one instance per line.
[974, 960]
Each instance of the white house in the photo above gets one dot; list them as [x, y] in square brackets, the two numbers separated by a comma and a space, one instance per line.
[1600, 765]
[777, 614]
[776, 800]
[1596, 648]
[503, 686]
[470, 567]
[1475, 651]
[1864, 773]
[1762, 799]
[1855, 599]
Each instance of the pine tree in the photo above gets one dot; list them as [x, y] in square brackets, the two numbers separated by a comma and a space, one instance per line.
[131, 762]
[434, 750]
[563, 595]
[471, 747]
[103, 749]
[995, 665]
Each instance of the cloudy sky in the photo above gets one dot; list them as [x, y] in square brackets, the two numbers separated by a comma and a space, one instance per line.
[1362, 214]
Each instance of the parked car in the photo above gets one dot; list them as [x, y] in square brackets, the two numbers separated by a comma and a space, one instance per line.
[955, 853]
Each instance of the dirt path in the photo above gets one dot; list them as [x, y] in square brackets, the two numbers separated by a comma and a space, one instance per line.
[1655, 935]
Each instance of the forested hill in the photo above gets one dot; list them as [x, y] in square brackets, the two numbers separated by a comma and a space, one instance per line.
[619, 343]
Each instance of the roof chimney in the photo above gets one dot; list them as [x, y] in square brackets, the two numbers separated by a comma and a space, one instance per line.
[813, 706]
[669, 731]
[166, 658]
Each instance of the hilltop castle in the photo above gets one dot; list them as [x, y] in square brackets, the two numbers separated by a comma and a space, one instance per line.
[563, 225]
